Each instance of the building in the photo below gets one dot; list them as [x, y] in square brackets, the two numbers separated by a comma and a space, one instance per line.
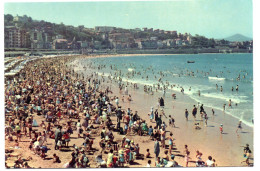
[16, 37]
[156, 31]
[104, 28]
[189, 38]
[178, 42]
[161, 31]
[121, 40]
[169, 43]
[20, 19]
[173, 33]
[147, 44]
[40, 40]
[161, 44]
[145, 29]
[150, 30]
[154, 38]
[60, 44]
[137, 29]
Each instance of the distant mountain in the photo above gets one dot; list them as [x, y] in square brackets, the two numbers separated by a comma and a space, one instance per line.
[238, 38]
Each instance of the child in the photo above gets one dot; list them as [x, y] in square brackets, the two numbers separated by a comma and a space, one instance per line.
[149, 163]
[187, 158]
[221, 128]
[147, 155]
[56, 159]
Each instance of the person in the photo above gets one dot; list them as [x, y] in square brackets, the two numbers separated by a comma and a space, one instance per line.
[58, 136]
[186, 114]
[66, 138]
[221, 128]
[147, 155]
[163, 137]
[161, 102]
[206, 118]
[16, 145]
[187, 158]
[194, 111]
[158, 162]
[213, 112]
[201, 108]
[110, 158]
[157, 147]
[121, 158]
[199, 161]
[151, 115]
[170, 138]
[173, 122]
[173, 162]
[237, 88]
[79, 129]
[117, 101]
[56, 158]
[18, 132]
[229, 104]
[239, 126]
[149, 163]
[26, 166]
[150, 131]
[209, 162]
[246, 155]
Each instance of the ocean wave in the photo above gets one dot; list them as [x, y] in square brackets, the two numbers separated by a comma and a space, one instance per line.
[235, 99]
[216, 78]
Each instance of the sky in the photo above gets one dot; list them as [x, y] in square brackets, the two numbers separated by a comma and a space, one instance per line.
[210, 18]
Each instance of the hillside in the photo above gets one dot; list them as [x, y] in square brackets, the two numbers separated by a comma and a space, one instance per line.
[238, 38]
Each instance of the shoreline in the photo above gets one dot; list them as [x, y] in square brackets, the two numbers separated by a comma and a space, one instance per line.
[251, 126]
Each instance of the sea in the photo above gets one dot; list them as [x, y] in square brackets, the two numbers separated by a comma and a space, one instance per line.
[204, 75]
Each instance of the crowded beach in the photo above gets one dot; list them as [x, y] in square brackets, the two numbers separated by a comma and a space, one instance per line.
[56, 117]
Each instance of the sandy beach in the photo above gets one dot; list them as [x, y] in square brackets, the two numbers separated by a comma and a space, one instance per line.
[225, 148]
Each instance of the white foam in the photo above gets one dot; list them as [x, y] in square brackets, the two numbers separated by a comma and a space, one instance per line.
[216, 79]
[235, 99]
[130, 69]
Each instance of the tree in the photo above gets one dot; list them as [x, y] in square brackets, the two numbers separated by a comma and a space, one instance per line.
[8, 17]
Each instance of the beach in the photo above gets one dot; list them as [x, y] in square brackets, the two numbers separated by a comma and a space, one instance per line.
[225, 148]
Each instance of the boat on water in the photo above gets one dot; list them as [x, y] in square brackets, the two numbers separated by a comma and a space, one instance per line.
[190, 61]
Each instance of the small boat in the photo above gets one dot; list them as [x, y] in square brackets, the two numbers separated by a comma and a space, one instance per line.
[190, 61]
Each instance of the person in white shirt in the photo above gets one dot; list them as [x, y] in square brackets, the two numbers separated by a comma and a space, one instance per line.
[149, 163]
[209, 162]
